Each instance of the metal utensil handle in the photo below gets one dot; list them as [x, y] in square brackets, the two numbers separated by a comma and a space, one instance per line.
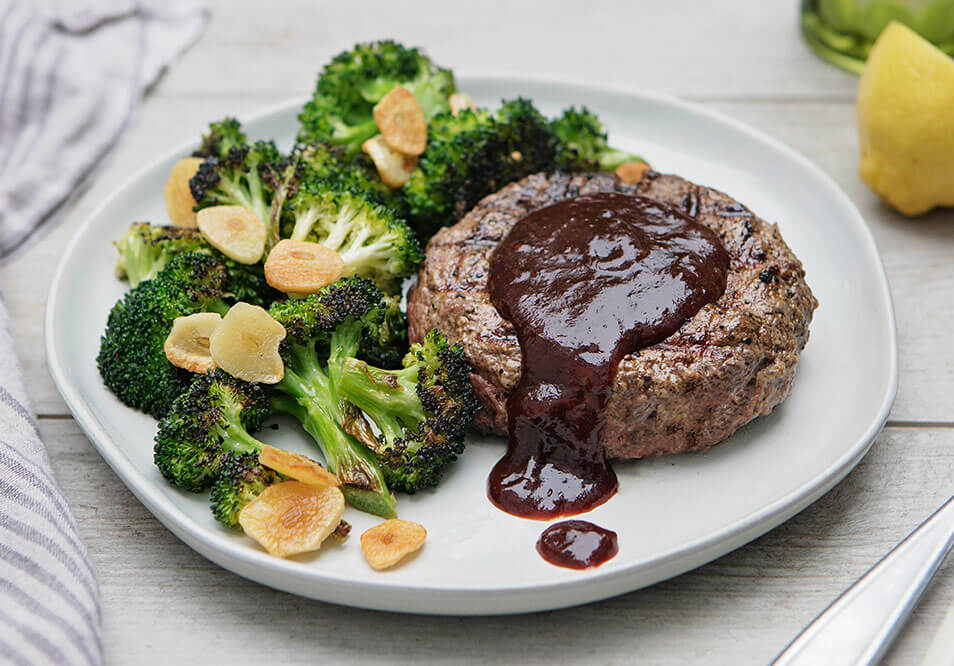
[860, 624]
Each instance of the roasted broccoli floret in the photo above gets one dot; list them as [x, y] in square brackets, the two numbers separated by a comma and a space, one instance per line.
[390, 347]
[247, 175]
[340, 112]
[240, 479]
[330, 166]
[422, 411]
[131, 359]
[473, 154]
[209, 424]
[205, 441]
[419, 414]
[582, 144]
[221, 138]
[523, 128]
[343, 318]
[370, 239]
[145, 249]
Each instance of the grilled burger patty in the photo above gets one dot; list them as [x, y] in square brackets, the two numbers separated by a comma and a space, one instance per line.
[733, 361]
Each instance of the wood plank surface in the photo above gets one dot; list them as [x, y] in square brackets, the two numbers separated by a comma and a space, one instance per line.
[703, 49]
[163, 603]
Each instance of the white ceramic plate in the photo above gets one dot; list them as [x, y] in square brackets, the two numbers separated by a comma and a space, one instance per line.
[671, 514]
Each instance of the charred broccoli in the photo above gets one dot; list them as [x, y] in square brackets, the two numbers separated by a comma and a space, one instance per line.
[241, 479]
[473, 154]
[476, 152]
[370, 239]
[145, 249]
[205, 441]
[221, 138]
[340, 111]
[422, 411]
[207, 425]
[131, 359]
[247, 175]
[344, 317]
[582, 145]
[328, 165]
[391, 344]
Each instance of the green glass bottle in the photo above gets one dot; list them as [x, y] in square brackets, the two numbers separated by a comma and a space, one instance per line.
[842, 31]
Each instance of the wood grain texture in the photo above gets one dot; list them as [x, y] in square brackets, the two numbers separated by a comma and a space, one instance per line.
[699, 49]
[165, 604]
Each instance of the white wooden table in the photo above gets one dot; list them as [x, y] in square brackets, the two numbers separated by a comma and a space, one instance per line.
[164, 604]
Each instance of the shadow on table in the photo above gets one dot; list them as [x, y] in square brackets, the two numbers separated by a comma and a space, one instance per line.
[692, 616]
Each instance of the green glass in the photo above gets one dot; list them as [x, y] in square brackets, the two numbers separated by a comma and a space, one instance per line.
[842, 31]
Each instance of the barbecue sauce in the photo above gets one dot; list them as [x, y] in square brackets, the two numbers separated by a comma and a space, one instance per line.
[585, 282]
[577, 544]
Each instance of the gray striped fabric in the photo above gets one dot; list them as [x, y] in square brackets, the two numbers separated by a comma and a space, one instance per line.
[70, 78]
[71, 75]
[49, 600]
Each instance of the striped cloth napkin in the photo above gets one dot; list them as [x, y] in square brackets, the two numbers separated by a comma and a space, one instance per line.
[71, 76]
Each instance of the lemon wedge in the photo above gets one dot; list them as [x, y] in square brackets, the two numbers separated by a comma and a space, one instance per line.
[906, 122]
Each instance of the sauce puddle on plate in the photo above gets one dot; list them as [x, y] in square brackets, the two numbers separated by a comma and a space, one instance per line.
[586, 281]
[577, 544]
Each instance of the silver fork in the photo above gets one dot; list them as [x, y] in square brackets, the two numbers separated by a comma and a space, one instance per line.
[859, 626]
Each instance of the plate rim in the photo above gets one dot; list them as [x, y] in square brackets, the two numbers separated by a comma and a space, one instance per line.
[243, 560]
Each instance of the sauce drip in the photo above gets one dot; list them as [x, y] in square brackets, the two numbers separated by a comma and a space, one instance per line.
[577, 544]
[586, 281]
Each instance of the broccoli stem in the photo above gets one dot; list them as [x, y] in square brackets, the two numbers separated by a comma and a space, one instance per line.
[255, 201]
[389, 397]
[611, 158]
[304, 222]
[218, 306]
[354, 136]
[342, 226]
[362, 259]
[344, 343]
[361, 478]
[236, 438]
[317, 406]
[374, 391]
[139, 260]
[429, 97]
[348, 239]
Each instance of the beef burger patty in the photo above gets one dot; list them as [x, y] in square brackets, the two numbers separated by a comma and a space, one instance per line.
[733, 361]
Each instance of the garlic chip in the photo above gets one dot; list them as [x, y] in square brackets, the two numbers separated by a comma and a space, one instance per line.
[631, 172]
[245, 344]
[388, 543]
[402, 122]
[302, 267]
[296, 466]
[394, 168]
[460, 101]
[291, 517]
[235, 231]
[179, 200]
[187, 345]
